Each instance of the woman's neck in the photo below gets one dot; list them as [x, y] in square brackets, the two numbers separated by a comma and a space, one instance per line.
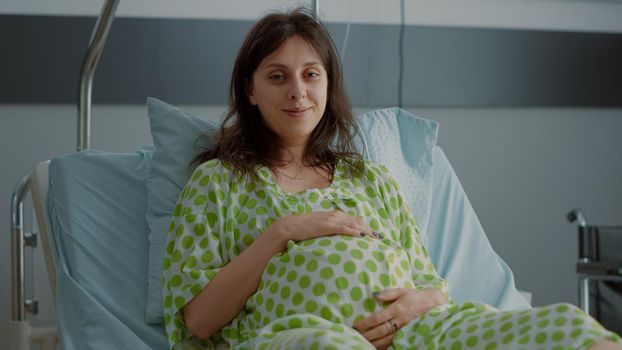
[295, 174]
[293, 155]
[294, 178]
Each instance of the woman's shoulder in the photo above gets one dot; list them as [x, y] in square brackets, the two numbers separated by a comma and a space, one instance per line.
[213, 170]
[369, 171]
[379, 177]
[375, 170]
[214, 166]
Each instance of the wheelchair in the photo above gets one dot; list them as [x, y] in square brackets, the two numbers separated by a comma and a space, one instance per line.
[599, 270]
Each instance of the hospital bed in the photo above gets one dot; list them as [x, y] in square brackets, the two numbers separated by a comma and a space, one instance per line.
[98, 213]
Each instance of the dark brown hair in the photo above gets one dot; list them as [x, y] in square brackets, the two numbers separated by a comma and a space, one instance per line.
[245, 141]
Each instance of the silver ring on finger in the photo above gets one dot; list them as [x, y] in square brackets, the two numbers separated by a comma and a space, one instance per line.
[389, 326]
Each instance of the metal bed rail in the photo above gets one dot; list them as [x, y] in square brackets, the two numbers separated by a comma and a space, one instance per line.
[23, 334]
[18, 240]
[91, 59]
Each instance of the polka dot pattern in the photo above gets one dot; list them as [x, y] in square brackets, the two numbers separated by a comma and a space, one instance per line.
[310, 294]
[473, 325]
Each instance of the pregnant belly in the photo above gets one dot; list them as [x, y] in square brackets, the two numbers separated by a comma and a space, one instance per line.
[331, 277]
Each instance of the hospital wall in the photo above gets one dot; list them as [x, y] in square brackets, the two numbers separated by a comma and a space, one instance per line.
[530, 112]
[522, 169]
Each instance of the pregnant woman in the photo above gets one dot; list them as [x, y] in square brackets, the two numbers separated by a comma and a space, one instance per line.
[284, 238]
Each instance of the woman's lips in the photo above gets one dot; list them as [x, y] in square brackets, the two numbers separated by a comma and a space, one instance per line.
[297, 112]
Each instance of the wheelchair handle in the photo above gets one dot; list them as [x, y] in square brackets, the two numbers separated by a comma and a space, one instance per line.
[578, 216]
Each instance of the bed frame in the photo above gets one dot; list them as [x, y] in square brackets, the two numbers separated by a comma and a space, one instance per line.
[35, 181]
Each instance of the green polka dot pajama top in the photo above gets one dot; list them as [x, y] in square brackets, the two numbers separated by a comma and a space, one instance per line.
[311, 294]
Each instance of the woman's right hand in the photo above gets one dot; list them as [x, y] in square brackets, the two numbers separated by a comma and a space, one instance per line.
[305, 226]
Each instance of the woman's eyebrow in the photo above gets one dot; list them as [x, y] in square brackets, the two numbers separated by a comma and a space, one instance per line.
[281, 65]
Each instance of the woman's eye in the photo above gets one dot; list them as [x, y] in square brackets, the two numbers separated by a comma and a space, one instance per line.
[276, 77]
[313, 74]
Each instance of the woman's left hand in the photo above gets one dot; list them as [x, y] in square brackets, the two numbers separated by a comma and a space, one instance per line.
[406, 305]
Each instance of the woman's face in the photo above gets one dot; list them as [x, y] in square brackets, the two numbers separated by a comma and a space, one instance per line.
[290, 87]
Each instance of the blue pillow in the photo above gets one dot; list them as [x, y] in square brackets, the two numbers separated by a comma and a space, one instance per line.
[404, 144]
[176, 138]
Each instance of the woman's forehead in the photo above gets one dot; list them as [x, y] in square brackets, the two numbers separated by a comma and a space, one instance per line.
[294, 51]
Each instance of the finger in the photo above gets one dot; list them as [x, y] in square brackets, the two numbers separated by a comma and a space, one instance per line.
[383, 342]
[336, 222]
[379, 332]
[362, 224]
[373, 321]
[365, 229]
[349, 225]
[350, 231]
[390, 294]
[358, 223]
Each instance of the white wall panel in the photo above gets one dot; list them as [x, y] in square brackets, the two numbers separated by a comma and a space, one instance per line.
[589, 16]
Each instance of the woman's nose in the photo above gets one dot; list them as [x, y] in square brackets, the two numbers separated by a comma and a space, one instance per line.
[297, 89]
